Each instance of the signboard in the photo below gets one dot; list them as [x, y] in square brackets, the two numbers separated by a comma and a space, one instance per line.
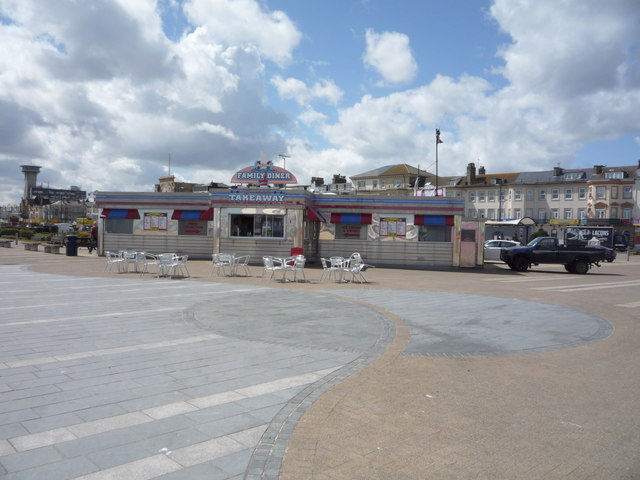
[54, 194]
[257, 196]
[192, 227]
[155, 221]
[582, 235]
[345, 230]
[393, 227]
[264, 173]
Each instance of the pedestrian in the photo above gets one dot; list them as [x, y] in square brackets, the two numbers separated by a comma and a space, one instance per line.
[93, 242]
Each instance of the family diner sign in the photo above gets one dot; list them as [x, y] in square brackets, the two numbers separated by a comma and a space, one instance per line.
[264, 173]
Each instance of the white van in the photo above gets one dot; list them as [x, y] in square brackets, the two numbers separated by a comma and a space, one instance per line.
[64, 227]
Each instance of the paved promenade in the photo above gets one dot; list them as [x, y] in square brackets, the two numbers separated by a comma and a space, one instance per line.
[472, 374]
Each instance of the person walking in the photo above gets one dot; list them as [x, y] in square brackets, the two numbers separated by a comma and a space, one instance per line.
[93, 242]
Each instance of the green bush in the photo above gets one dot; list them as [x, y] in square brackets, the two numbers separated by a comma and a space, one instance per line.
[8, 232]
[25, 233]
[540, 233]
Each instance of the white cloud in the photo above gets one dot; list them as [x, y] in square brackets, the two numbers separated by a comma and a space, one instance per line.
[292, 88]
[389, 53]
[240, 22]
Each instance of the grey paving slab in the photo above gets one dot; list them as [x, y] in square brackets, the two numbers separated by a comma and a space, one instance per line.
[455, 324]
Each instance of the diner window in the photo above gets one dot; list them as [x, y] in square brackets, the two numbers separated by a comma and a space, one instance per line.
[627, 192]
[118, 225]
[432, 233]
[269, 226]
[582, 193]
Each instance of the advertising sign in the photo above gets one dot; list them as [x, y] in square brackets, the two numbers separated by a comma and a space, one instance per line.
[393, 227]
[257, 196]
[264, 173]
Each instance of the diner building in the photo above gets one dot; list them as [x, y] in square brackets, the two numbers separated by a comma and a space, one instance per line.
[273, 216]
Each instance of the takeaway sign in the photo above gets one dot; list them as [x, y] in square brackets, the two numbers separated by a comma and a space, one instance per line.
[257, 196]
[264, 173]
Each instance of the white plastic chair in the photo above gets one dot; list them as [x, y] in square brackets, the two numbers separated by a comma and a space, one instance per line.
[241, 263]
[271, 266]
[165, 264]
[180, 265]
[113, 259]
[356, 273]
[222, 261]
[149, 259]
[295, 264]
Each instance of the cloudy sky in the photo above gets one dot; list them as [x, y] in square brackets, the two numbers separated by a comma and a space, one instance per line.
[107, 94]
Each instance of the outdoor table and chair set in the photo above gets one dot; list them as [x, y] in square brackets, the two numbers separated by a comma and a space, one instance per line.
[341, 269]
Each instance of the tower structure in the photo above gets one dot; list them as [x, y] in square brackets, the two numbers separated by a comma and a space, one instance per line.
[30, 175]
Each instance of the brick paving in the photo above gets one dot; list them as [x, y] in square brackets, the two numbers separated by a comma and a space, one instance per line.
[107, 375]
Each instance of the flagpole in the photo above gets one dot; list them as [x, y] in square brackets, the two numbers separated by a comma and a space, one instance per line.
[437, 142]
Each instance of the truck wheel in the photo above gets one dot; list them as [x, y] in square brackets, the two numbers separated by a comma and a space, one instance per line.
[520, 264]
[569, 268]
[580, 266]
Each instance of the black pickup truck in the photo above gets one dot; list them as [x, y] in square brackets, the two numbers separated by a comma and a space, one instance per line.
[547, 250]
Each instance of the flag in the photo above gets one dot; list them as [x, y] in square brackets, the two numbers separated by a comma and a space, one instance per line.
[438, 136]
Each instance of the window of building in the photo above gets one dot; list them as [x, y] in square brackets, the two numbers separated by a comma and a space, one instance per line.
[491, 196]
[614, 212]
[481, 196]
[398, 182]
[601, 213]
[582, 213]
[429, 233]
[582, 193]
[614, 175]
[568, 193]
[383, 183]
[626, 213]
[542, 194]
[491, 213]
[517, 195]
[614, 191]
[528, 212]
[554, 213]
[473, 213]
[269, 226]
[517, 213]
[555, 194]
[601, 192]
[502, 195]
[542, 214]
[118, 225]
[481, 213]
[530, 195]
[627, 192]
[362, 184]
[472, 196]
[568, 214]
[374, 184]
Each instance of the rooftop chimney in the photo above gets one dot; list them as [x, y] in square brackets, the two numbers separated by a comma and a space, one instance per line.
[471, 173]
[557, 171]
[597, 169]
[482, 171]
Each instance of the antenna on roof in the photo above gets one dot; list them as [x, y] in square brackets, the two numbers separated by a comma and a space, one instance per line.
[169, 174]
[284, 159]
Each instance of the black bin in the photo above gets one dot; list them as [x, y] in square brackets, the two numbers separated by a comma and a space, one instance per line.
[72, 245]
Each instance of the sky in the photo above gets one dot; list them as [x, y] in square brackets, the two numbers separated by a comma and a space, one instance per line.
[109, 95]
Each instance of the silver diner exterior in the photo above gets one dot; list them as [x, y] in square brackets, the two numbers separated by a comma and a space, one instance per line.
[409, 232]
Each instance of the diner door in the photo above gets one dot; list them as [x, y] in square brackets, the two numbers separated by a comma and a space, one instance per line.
[468, 245]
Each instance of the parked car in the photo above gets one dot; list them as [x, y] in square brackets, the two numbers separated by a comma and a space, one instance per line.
[492, 248]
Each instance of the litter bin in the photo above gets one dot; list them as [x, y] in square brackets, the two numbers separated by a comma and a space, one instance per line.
[297, 251]
[72, 245]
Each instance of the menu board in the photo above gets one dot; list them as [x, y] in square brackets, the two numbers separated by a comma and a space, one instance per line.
[155, 221]
[393, 227]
